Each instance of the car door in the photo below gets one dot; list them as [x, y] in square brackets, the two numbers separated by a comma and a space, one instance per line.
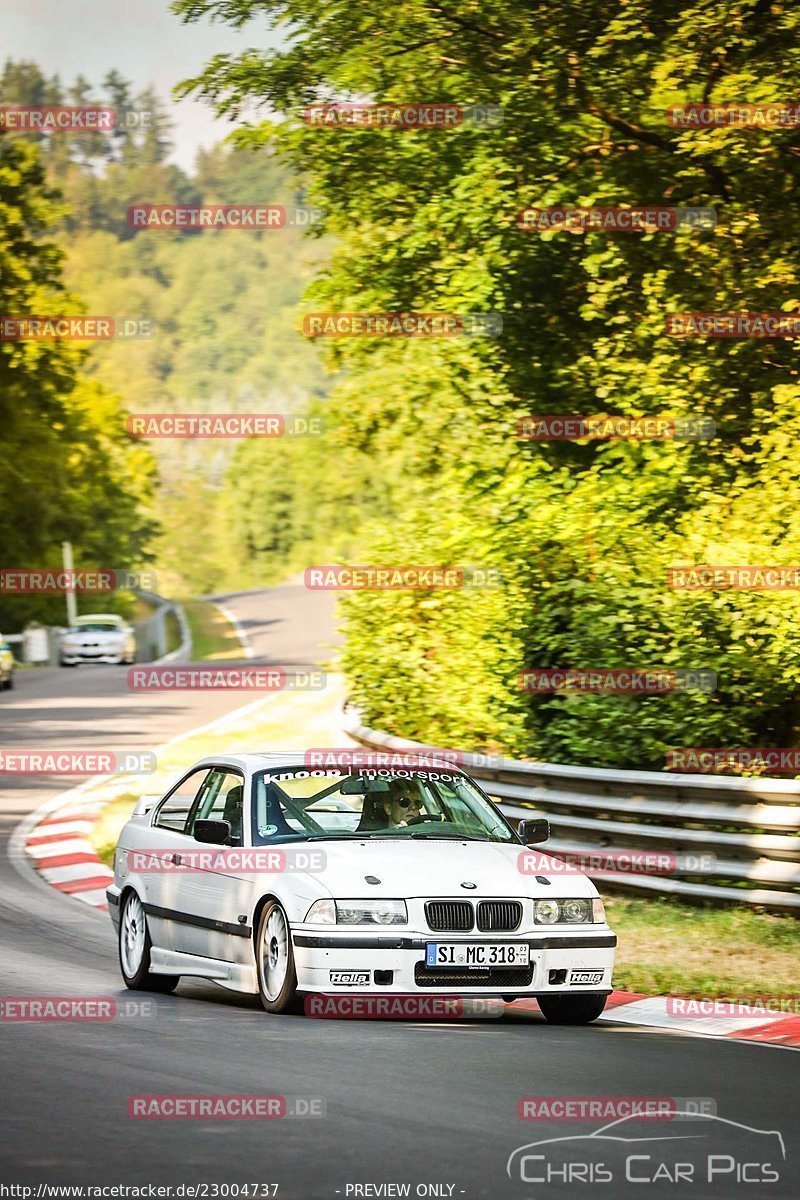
[214, 899]
[166, 837]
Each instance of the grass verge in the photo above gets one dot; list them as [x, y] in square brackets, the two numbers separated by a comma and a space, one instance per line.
[665, 946]
[213, 636]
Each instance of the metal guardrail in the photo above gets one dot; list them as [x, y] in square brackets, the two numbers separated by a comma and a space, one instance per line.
[735, 839]
[151, 633]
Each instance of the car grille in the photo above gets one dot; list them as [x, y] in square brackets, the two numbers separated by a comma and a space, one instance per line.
[496, 915]
[449, 915]
[478, 978]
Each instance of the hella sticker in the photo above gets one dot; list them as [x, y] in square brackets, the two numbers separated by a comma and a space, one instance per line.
[350, 978]
[584, 976]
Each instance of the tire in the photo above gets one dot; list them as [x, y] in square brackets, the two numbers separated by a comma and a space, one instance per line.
[62, 663]
[277, 978]
[572, 1010]
[10, 682]
[134, 950]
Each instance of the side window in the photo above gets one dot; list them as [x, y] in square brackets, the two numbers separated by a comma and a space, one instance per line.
[173, 812]
[221, 799]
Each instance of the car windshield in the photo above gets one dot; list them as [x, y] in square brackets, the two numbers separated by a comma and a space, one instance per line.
[96, 627]
[299, 804]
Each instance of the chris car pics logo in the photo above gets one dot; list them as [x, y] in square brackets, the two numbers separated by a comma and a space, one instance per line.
[694, 1148]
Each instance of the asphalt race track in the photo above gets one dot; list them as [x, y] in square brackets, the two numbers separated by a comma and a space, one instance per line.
[421, 1103]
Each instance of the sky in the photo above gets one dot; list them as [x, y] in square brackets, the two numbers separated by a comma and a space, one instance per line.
[143, 40]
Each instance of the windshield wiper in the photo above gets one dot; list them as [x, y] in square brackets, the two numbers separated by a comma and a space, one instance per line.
[339, 837]
[449, 837]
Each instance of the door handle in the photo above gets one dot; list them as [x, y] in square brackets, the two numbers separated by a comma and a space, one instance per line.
[176, 859]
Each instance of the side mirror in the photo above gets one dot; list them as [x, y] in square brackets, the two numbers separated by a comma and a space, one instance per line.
[215, 833]
[530, 833]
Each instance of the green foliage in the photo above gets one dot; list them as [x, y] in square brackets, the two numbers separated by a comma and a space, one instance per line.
[425, 220]
[69, 471]
[222, 307]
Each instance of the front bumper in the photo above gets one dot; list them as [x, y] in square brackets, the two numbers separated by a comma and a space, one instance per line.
[73, 657]
[346, 961]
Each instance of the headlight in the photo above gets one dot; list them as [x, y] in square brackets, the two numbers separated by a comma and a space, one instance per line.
[545, 912]
[565, 912]
[371, 912]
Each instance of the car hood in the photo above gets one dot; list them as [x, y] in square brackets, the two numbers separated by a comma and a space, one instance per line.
[411, 868]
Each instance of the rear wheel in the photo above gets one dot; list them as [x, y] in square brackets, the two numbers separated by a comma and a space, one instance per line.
[134, 950]
[571, 1010]
[277, 979]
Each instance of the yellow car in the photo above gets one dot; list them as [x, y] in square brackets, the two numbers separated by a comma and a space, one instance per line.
[6, 665]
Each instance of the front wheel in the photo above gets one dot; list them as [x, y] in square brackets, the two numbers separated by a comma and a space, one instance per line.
[134, 950]
[277, 978]
[571, 1010]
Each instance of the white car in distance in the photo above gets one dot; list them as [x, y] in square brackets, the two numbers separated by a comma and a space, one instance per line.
[274, 878]
[98, 637]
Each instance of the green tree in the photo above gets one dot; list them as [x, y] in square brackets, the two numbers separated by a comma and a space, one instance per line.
[69, 470]
[426, 220]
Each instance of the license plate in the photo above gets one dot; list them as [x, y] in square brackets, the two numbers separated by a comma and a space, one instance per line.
[477, 954]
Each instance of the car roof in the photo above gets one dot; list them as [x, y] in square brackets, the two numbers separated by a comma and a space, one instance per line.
[273, 759]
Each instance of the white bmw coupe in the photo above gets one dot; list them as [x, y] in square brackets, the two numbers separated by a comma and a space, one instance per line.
[272, 877]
